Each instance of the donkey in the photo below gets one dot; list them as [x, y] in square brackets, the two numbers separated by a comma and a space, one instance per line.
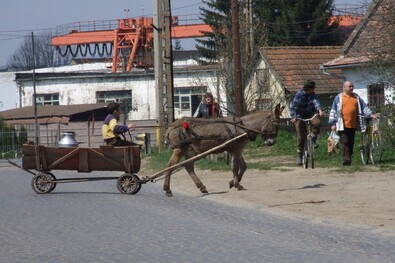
[191, 136]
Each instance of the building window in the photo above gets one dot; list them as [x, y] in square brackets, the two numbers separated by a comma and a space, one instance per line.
[263, 79]
[376, 97]
[187, 99]
[47, 99]
[123, 97]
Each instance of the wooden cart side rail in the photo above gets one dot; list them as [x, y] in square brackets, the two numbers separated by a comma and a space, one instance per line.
[62, 159]
[41, 158]
[83, 158]
[196, 157]
[101, 155]
[126, 160]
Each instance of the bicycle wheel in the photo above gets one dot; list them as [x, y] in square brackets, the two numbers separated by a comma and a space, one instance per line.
[306, 154]
[364, 148]
[376, 147]
[310, 146]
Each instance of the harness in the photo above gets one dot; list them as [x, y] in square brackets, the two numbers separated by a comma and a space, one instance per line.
[188, 136]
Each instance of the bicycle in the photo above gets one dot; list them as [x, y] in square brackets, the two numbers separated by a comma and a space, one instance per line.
[308, 152]
[371, 145]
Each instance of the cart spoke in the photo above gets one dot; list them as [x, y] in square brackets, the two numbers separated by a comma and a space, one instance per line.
[42, 183]
[128, 184]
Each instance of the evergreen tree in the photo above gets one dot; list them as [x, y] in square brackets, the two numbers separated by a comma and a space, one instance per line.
[217, 46]
[218, 16]
[273, 23]
[298, 23]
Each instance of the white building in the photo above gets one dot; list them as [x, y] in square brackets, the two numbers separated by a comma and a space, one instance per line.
[367, 58]
[94, 83]
[8, 91]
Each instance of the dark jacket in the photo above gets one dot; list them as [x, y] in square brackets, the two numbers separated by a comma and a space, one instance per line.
[210, 111]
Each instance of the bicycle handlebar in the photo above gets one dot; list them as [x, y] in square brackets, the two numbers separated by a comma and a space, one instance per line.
[305, 120]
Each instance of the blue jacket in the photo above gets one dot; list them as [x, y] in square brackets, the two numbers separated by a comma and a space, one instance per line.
[304, 105]
[335, 115]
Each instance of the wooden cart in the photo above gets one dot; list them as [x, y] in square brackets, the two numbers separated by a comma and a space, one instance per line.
[84, 160]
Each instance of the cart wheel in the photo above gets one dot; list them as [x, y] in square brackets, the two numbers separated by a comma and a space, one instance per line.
[53, 178]
[128, 184]
[42, 183]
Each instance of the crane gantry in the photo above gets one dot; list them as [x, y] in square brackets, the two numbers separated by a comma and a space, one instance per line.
[130, 38]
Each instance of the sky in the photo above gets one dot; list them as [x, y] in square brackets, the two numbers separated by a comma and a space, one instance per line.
[19, 18]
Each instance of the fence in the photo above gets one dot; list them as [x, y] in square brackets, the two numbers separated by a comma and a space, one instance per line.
[11, 141]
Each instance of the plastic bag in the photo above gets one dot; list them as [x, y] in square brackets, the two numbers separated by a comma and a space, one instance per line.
[333, 142]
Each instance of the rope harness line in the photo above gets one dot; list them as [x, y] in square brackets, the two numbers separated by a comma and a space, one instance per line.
[188, 136]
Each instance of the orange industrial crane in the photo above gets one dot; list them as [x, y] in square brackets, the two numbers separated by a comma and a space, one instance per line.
[131, 38]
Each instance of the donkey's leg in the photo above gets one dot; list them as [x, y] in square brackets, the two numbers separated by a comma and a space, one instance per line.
[190, 167]
[242, 169]
[235, 171]
[232, 182]
[174, 159]
[238, 169]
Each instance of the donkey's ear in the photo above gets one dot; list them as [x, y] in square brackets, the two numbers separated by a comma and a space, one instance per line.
[279, 110]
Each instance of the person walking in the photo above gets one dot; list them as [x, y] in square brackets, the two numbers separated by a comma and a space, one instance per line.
[304, 105]
[112, 130]
[349, 113]
[209, 109]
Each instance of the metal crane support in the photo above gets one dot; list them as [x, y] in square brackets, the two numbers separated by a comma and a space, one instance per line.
[132, 40]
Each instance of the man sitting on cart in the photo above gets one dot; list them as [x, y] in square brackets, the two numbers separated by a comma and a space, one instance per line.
[112, 129]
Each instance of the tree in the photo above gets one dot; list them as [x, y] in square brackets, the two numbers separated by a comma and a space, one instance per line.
[270, 22]
[381, 52]
[298, 23]
[216, 47]
[45, 54]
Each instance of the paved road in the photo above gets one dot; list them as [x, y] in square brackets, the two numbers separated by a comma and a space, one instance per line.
[93, 222]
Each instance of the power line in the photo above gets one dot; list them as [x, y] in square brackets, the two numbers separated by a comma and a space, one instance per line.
[26, 30]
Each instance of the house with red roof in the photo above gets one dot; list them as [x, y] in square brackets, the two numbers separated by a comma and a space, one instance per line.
[281, 72]
[367, 58]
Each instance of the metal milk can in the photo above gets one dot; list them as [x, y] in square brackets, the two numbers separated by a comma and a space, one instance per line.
[67, 139]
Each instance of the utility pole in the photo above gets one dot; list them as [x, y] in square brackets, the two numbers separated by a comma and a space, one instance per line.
[35, 94]
[163, 64]
[249, 27]
[237, 60]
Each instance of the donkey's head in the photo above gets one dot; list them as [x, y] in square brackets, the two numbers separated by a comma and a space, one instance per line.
[271, 125]
[264, 122]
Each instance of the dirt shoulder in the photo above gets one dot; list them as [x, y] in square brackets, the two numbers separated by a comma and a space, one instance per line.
[322, 195]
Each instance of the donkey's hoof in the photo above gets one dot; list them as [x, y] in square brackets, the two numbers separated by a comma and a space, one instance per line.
[241, 188]
[169, 194]
[203, 190]
[231, 184]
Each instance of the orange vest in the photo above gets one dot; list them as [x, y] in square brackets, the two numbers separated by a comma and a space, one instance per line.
[349, 111]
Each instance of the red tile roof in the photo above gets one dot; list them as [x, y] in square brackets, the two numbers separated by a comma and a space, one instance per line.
[370, 38]
[295, 65]
[345, 20]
